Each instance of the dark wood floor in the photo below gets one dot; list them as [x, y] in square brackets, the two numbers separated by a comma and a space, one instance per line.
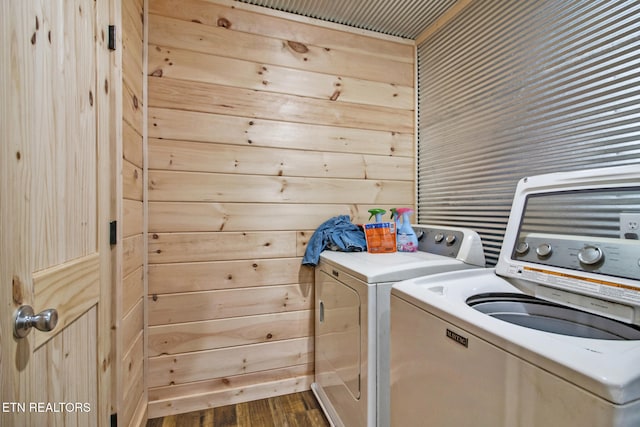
[291, 410]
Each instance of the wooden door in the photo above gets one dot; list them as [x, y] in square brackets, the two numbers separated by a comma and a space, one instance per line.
[54, 210]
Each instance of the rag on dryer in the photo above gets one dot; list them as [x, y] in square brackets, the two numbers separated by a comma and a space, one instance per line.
[336, 234]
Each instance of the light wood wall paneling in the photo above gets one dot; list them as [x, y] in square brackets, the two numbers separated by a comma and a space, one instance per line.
[132, 405]
[210, 98]
[177, 33]
[189, 247]
[132, 289]
[197, 366]
[228, 332]
[188, 65]
[202, 216]
[262, 127]
[131, 181]
[196, 126]
[132, 217]
[218, 304]
[203, 276]
[181, 398]
[132, 325]
[132, 44]
[133, 97]
[203, 157]
[132, 106]
[132, 388]
[132, 145]
[132, 254]
[133, 364]
[302, 239]
[213, 187]
[219, 14]
[230, 382]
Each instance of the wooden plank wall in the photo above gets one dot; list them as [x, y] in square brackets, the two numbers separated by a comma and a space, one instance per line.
[131, 389]
[261, 127]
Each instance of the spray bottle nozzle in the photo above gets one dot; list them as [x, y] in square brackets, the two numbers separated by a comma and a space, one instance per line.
[377, 212]
[394, 212]
[402, 211]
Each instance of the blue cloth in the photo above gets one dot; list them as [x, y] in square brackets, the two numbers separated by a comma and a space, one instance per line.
[338, 234]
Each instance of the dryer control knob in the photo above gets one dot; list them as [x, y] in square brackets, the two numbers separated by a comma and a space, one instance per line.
[590, 255]
[438, 237]
[522, 248]
[451, 239]
[544, 250]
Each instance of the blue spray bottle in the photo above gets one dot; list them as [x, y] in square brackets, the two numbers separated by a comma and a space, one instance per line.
[407, 241]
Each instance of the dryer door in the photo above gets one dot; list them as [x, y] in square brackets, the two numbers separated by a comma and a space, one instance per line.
[338, 335]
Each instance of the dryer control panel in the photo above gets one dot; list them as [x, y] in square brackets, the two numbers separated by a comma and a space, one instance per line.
[439, 241]
[608, 256]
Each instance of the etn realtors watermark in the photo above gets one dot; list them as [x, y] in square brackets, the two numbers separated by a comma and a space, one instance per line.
[53, 407]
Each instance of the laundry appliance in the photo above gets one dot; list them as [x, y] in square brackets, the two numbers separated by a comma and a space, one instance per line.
[549, 337]
[352, 319]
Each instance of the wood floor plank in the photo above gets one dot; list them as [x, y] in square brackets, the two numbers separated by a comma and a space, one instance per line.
[195, 419]
[310, 402]
[225, 416]
[156, 422]
[317, 417]
[261, 414]
[291, 410]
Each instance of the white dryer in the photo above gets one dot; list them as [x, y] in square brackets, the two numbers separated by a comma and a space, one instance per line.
[352, 319]
[551, 337]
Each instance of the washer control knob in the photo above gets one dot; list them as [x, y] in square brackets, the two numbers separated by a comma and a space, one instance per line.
[522, 248]
[544, 250]
[438, 237]
[590, 255]
[451, 239]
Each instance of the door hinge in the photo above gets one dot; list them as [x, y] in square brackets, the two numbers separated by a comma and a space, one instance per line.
[114, 420]
[112, 37]
[113, 233]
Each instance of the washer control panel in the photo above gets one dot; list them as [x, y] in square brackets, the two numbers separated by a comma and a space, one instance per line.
[608, 256]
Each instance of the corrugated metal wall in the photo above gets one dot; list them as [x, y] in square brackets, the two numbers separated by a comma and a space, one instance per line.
[513, 89]
[401, 18]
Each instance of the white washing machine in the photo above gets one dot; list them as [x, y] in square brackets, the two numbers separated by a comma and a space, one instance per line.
[551, 337]
[352, 319]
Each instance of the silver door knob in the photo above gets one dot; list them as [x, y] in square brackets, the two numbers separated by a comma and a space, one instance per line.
[25, 320]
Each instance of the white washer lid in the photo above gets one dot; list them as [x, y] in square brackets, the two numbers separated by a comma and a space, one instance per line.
[391, 267]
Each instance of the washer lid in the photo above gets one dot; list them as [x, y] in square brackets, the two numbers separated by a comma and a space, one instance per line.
[566, 240]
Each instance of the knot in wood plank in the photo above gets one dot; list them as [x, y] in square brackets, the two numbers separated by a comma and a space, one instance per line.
[224, 23]
[297, 46]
